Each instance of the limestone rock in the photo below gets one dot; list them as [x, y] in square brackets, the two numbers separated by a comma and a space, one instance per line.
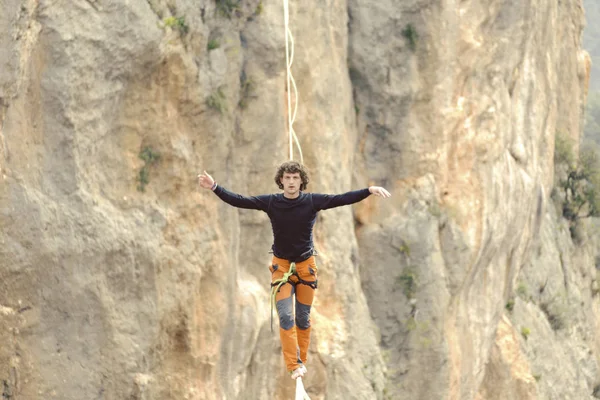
[120, 279]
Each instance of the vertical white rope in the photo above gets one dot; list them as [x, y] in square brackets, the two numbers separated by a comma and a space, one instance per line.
[289, 59]
[286, 19]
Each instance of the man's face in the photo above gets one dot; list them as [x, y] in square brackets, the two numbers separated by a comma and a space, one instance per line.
[291, 183]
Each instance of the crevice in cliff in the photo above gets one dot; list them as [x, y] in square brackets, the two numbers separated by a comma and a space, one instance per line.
[154, 8]
[564, 271]
[93, 4]
[6, 391]
[11, 386]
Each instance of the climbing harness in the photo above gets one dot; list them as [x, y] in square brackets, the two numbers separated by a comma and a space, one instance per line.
[289, 59]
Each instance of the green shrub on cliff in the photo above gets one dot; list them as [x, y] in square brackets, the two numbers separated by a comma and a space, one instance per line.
[217, 101]
[581, 187]
[177, 23]
[408, 282]
[411, 35]
[228, 8]
[579, 179]
[150, 157]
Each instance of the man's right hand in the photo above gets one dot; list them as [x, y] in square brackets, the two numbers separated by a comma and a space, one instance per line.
[205, 180]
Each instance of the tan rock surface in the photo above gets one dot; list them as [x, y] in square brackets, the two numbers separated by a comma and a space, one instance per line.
[108, 292]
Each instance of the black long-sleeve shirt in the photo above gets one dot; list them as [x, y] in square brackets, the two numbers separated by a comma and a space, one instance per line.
[292, 220]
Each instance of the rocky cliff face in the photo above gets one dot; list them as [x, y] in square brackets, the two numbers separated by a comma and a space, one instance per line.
[464, 285]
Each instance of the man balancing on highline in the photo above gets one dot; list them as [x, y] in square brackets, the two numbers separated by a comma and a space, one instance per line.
[293, 271]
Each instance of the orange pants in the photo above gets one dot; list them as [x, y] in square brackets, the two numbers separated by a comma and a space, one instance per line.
[295, 338]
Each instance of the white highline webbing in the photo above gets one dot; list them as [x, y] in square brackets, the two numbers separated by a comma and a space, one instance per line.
[300, 392]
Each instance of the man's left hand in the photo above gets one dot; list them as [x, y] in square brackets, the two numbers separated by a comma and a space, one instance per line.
[379, 191]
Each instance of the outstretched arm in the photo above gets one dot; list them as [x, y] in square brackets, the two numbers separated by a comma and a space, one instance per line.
[326, 201]
[253, 202]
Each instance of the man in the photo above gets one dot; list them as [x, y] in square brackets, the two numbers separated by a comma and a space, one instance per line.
[293, 271]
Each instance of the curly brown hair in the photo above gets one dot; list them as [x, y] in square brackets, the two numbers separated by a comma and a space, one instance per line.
[291, 167]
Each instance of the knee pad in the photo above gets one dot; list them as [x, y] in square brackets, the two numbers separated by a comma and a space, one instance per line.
[302, 316]
[284, 310]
